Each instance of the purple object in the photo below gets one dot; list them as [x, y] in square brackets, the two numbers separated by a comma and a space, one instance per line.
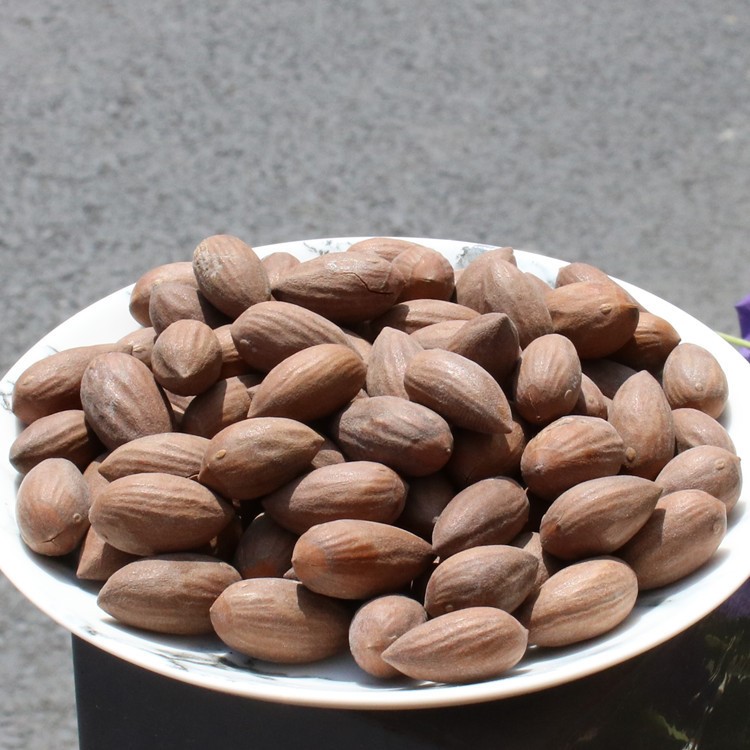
[743, 314]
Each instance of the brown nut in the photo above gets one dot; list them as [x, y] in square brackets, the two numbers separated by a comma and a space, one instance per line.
[167, 594]
[427, 273]
[227, 401]
[548, 379]
[229, 274]
[460, 390]
[598, 516]
[491, 511]
[98, 560]
[344, 287]
[478, 643]
[167, 452]
[269, 332]
[376, 625]
[493, 575]
[414, 314]
[172, 301]
[53, 383]
[122, 401]
[693, 427]
[278, 264]
[310, 384]
[251, 458]
[568, 451]
[491, 283]
[140, 296]
[354, 559]
[692, 377]
[641, 415]
[391, 352]
[186, 358]
[52, 506]
[652, 342]
[281, 621]
[705, 467]
[64, 434]
[681, 535]
[581, 601]
[356, 489]
[154, 513]
[408, 437]
[264, 549]
[598, 318]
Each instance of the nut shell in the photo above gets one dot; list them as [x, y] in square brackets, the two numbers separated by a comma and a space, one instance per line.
[584, 600]
[470, 645]
[310, 384]
[681, 535]
[281, 621]
[376, 625]
[692, 377]
[355, 489]
[154, 513]
[498, 575]
[408, 437]
[122, 401]
[568, 451]
[598, 516]
[229, 274]
[354, 559]
[167, 594]
[251, 458]
[52, 506]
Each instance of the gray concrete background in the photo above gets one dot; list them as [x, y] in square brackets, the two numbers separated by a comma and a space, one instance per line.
[615, 133]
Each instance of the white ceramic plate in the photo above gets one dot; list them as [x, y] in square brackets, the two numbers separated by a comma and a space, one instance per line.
[205, 662]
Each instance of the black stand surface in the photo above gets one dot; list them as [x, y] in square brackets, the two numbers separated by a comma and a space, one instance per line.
[695, 688]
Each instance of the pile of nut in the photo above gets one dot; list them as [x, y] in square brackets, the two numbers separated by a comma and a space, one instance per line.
[370, 450]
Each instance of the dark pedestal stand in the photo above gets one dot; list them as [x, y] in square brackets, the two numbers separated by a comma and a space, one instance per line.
[694, 688]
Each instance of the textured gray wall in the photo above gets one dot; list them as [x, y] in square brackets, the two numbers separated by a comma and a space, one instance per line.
[616, 133]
